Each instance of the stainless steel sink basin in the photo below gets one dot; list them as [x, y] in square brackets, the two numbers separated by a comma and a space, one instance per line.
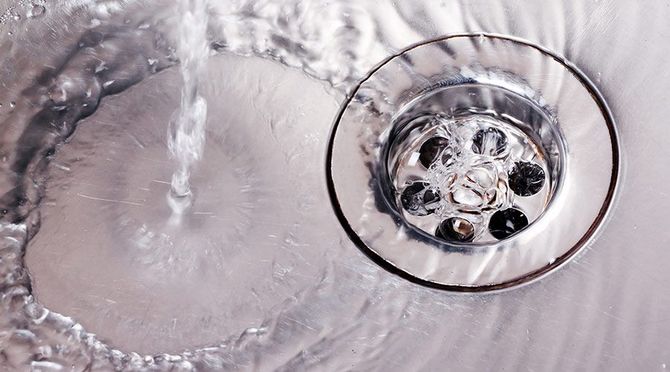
[261, 274]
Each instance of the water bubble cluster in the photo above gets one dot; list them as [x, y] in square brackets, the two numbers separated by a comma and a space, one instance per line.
[466, 178]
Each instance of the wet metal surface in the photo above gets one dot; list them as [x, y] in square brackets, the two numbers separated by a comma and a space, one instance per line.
[301, 295]
[474, 84]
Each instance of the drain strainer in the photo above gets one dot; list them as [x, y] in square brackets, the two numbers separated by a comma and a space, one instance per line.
[473, 163]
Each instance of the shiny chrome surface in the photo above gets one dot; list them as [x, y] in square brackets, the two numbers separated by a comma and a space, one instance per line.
[324, 305]
[476, 73]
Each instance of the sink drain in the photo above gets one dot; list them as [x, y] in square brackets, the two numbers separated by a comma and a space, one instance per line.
[473, 163]
[474, 169]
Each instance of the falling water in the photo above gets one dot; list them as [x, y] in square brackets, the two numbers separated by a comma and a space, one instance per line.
[293, 293]
[186, 134]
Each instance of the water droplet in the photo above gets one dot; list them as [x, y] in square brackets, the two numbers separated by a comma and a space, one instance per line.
[36, 11]
[16, 16]
[490, 141]
[456, 229]
[419, 200]
[431, 149]
[507, 222]
[526, 178]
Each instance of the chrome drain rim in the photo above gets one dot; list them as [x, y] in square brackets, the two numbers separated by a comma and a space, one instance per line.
[579, 205]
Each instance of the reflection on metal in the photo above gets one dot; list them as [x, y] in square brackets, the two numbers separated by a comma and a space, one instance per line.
[290, 290]
[457, 165]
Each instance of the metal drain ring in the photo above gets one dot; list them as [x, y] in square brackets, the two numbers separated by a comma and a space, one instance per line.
[587, 181]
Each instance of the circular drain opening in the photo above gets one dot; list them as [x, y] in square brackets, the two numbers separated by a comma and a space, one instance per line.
[473, 163]
[492, 174]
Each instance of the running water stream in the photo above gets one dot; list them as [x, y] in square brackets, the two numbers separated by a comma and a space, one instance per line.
[186, 135]
[258, 274]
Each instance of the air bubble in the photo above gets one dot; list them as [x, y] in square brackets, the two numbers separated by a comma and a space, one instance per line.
[36, 11]
[481, 176]
[464, 196]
